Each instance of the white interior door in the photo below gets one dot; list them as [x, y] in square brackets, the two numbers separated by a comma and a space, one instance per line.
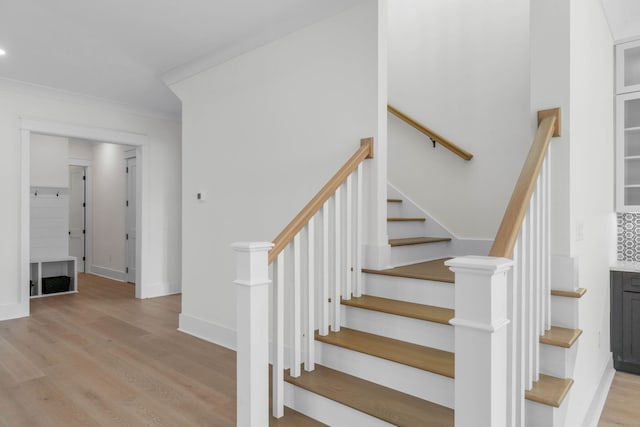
[131, 221]
[77, 217]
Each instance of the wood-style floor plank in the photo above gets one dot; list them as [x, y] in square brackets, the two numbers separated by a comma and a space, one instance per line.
[549, 390]
[408, 241]
[103, 358]
[378, 401]
[429, 270]
[621, 407]
[426, 358]
[560, 337]
[429, 313]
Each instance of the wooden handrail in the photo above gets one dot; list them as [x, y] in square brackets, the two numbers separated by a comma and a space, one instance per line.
[286, 236]
[436, 137]
[549, 124]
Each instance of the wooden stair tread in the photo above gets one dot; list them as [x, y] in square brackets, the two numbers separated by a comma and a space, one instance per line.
[401, 308]
[405, 219]
[394, 200]
[378, 401]
[430, 270]
[560, 337]
[578, 293]
[418, 356]
[417, 241]
[549, 390]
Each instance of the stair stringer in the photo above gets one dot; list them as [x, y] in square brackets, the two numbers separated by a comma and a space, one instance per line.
[432, 228]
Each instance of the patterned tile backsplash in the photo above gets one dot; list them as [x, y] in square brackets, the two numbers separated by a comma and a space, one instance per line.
[628, 245]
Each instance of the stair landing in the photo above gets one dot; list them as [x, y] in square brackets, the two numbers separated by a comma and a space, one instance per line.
[429, 270]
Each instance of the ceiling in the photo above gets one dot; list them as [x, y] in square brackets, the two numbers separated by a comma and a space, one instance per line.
[120, 50]
[125, 51]
[623, 17]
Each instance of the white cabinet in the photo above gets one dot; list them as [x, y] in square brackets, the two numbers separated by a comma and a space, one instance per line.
[43, 268]
[628, 67]
[628, 152]
[628, 127]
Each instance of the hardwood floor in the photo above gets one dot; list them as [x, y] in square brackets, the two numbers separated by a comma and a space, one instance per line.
[103, 358]
[621, 408]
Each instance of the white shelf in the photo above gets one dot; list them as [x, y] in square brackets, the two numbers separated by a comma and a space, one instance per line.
[53, 266]
[634, 129]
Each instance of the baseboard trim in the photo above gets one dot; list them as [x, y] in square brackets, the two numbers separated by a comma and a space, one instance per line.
[120, 276]
[159, 290]
[14, 311]
[592, 416]
[208, 331]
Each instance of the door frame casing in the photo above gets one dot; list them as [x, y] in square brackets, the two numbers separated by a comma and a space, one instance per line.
[88, 212]
[31, 126]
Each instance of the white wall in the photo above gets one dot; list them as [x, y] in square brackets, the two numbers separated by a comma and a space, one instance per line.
[593, 231]
[261, 134]
[81, 150]
[49, 161]
[109, 197]
[572, 67]
[461, 68]
[160, 175]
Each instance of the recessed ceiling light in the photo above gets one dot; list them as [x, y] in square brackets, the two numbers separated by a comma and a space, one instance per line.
[2, 52]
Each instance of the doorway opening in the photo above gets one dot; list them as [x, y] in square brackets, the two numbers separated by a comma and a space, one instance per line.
[80, 218]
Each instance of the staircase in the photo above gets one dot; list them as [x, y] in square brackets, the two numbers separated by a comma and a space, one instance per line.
[357, 346]
[393, 359]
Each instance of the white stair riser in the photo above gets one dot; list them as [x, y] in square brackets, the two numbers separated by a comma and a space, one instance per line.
[557, 361]
[326, 410]
[411, 254]
[419, 383]
[402, 328]
[395, 210]
[564, 312]
[403, 229]
[539, 415]
[429, 292]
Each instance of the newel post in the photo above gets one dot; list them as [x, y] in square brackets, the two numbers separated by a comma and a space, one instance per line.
[252, 287]
[481, 363]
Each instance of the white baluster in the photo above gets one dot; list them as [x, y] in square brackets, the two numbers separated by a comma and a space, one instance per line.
[521, 271]
[324, 293]
[528, 297]
[337, 286]
[546, 170]
[358, 242]
[348, 255]
[252, 287]
[278, 338]
[297, 318]
[537, 230]
[309, 363]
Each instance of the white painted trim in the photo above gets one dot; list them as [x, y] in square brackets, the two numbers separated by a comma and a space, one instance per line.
[208, 331]
[29, 126]
[160, 290]
[109, 273]
[88, 200]
[600, 397]
[83, 132]
[80, 162]
[79, 98]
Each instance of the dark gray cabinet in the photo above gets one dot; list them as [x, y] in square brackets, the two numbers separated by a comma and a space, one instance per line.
[625, 321]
